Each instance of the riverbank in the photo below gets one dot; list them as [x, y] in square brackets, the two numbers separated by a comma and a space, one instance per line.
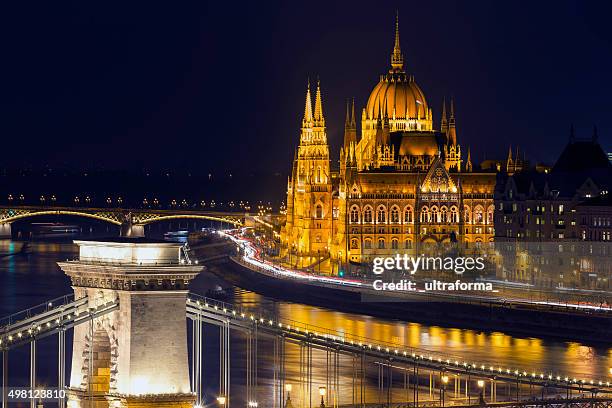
[481, 316]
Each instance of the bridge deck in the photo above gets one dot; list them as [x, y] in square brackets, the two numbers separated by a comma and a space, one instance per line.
[217, 312]
[26, 326]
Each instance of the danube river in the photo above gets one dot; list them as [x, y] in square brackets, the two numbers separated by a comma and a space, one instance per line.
[32, 278]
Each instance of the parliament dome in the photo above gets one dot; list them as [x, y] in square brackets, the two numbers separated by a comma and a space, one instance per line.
[397, 96]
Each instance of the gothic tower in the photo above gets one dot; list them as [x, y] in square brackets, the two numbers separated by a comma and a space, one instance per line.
[309, 192]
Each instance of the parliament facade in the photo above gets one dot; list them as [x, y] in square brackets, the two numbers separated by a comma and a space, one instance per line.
[404, 182]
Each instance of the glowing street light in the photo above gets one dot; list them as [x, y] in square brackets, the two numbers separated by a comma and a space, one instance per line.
[288, 403]
[221, 400]
[444, 379]
[322, 392]
[481, 384]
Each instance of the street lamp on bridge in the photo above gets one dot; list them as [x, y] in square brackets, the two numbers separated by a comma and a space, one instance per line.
[288, 403]
[443, 388]
[322, 392]
[481, 388]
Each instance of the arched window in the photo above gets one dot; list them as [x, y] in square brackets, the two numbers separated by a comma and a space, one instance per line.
[319, 175]
[490, 212]
[454, 214]
[367, 214]
[467, 215]
[354, 243]
[478, 218]
[408, 215]
[434, 215]
[443, 215]
[394, 244]
[407, 244]
[424, 214]
[319, 211]
[381, 215]
[395, 215]
[354, 214]
[367, 243]
[381, 243]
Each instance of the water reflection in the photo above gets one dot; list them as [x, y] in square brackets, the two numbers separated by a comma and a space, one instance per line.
[494, 348]
[30, 278]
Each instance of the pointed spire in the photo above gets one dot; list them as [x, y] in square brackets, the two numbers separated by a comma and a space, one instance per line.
[350, 130]
[452, 132]
[517, 157]
[347, 121]
[510, 154]
[444, 121]
[318, 111]
[397, 59]
[468, 164]
[308, 107]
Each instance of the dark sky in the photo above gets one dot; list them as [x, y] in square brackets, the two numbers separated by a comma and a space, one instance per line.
[221, 85]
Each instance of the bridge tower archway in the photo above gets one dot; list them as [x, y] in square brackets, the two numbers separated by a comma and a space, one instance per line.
[115, 358]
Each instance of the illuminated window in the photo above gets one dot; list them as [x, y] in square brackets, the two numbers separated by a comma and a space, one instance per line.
[355, 214]
[394, 244]
[395, 215]
[381, 215]
[319, 211]
[434, 215]
[381, 243]
[478, 215]
[354, 243]
[443, 215]
[367, 214]
[367, 243]
[467, 216]
[408, 215]
[454, 214]
[425, 214]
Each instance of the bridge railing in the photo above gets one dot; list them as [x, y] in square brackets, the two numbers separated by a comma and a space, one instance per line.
[392, 349]
[36, 310]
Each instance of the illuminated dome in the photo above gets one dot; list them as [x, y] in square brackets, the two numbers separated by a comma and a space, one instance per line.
[397, 96]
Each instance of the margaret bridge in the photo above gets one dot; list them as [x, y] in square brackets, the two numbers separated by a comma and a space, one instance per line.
[131, 221]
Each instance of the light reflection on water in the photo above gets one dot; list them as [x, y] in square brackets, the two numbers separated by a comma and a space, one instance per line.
[26, 280]
[491, 348]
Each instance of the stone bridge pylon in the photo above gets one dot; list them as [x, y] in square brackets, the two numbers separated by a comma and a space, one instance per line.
[136, 355]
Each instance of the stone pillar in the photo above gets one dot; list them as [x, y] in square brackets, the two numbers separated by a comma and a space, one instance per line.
[5, 230]
[138, 353]
[132, 231]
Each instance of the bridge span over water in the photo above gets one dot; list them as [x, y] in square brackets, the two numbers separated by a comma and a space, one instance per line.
[131, 221]
[423, 378]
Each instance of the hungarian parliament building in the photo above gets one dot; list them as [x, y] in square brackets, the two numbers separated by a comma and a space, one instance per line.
[406, 183]
[402, 183]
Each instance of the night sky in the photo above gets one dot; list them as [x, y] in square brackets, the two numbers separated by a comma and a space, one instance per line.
[220, 85]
